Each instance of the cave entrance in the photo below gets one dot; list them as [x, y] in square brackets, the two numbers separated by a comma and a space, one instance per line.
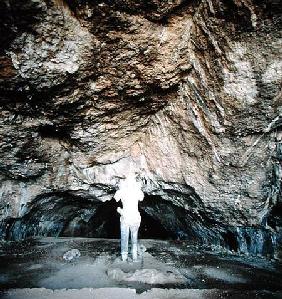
[105, 223]
[66, 215]
[151, 228]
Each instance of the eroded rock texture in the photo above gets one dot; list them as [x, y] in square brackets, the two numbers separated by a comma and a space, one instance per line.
[186, 92]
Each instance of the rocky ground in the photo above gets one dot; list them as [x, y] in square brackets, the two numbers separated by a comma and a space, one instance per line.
[166, 269]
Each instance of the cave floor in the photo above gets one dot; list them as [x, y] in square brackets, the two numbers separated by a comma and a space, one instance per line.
[167, 269]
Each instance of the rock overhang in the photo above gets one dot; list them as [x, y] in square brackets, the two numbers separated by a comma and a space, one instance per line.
[88, 90]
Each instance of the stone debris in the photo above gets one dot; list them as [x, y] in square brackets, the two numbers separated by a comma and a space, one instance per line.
[141, 249]
[149, 276]
[71, 255]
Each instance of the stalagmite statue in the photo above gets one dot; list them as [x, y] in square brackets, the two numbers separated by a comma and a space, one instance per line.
[129, 193]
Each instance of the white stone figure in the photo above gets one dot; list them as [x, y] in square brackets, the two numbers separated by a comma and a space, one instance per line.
[129, 193]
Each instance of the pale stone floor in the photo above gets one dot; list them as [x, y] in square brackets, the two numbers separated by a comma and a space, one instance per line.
[35, 269]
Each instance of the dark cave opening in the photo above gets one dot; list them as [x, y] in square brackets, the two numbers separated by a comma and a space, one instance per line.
[274, 218]
[66, 215]
[151, 228]
[231, 241]
[105, 223]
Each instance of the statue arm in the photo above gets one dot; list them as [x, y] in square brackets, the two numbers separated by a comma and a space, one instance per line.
[117, 196]
[120, 211]
[141, 196]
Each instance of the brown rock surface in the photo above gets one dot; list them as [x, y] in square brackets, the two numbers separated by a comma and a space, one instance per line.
[186, 92]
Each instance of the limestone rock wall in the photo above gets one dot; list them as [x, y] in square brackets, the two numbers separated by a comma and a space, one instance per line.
[186, 92]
